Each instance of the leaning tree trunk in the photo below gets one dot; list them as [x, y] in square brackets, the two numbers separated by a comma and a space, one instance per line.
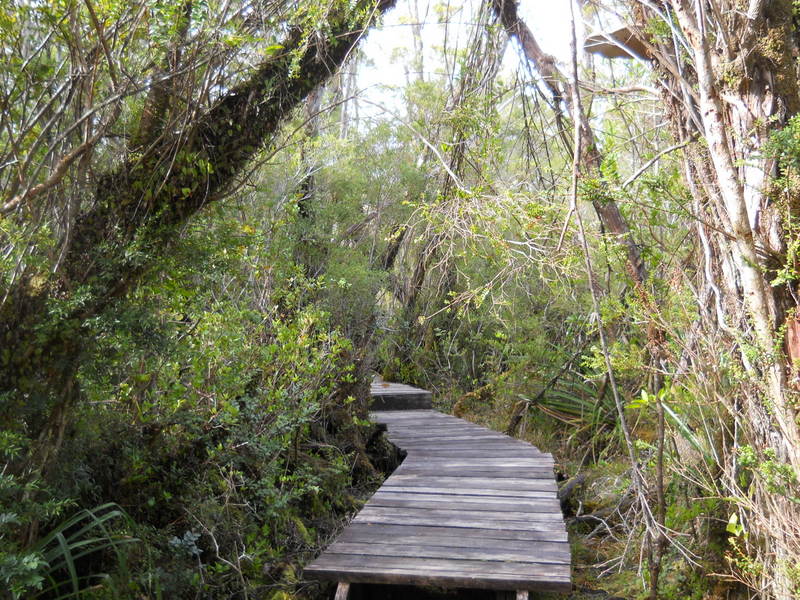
[588, 162]
[44, 322]
[590, 159]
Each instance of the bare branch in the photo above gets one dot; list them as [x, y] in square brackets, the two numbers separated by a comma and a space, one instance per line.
[654, 160]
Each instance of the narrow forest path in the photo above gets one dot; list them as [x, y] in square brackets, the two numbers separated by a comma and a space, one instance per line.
[468, 508]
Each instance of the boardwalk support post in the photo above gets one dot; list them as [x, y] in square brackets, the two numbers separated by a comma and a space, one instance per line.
[343, 590]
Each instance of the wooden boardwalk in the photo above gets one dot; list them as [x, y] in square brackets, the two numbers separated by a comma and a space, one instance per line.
[468, 508]
[398, 396]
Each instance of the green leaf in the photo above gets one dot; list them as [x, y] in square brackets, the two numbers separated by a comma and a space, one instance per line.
[734, 527]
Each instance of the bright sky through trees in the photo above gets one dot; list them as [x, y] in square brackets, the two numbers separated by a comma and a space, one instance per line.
[381, 80]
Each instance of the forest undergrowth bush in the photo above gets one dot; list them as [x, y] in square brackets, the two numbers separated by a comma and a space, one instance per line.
[228, 429]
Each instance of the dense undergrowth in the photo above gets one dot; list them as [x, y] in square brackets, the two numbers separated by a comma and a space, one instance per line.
[228, 431]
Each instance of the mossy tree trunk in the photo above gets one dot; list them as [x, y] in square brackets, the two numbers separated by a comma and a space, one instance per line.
[137, 209]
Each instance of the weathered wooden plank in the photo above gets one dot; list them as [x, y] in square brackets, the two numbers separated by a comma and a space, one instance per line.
[436, 428]
[443, 433]
[433, 418]
[376, 415]
[378, 387]
[388, 498]
[424, 423]
[370, 511]
[428, 418]
[452, 545]
[408, 442]
[444, 579]
[399, 417]
[507, 463]
[448, 462]
[536, 474]
[452, 497]
[464, 484]
[489, 483]
[516, 481]
[404, 418]
[464, 449]
[531, 554]
[475, 506]
[449, 538]
[442, 439]
[423, 488]
[465, 568]
[432, 431]
[399, 390]
[404, 425]
[487, 497]
[470, 451]
[436, 424]
[506, 511]
[386, 530]
[460, 446]
[408, 416]
[544, 471]
[380, 401]
[492, 444]
[555, 528]
[479, 471]
[468, 521]
[419, 445]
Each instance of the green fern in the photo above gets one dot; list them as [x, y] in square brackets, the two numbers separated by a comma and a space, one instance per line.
[86, 532]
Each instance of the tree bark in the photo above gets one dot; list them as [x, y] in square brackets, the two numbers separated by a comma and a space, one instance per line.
[760, 306]
[743, 68]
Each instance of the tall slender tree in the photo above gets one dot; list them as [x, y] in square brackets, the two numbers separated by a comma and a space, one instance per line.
[728, 74]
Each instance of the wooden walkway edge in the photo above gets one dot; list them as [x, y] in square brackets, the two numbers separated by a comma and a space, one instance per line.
[398, 396]
[468, 508]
